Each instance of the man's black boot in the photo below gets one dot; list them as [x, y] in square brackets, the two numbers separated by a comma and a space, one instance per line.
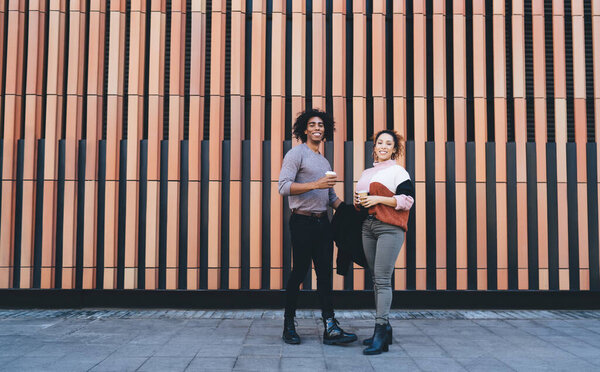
[333, 334]
[289, 332]
[388, 331]
[379, 341]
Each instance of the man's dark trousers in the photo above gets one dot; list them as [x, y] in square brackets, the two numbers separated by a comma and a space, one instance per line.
[312, 239]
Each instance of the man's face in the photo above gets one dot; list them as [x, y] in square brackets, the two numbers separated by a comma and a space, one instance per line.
[315, 129]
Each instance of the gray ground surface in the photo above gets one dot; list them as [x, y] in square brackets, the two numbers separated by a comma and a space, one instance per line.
[174, 340]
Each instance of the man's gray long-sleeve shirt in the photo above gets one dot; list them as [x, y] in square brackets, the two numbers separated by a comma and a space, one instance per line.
[302, 165]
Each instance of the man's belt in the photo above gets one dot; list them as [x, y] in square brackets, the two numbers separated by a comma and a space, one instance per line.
[309, 214]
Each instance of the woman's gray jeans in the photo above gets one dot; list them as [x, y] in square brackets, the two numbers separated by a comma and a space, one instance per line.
[381, 243]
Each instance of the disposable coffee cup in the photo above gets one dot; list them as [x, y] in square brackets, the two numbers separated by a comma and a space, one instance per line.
[362, 193]
[330, 173]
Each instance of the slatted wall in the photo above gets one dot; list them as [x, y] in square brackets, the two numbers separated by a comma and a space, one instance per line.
[141, 141]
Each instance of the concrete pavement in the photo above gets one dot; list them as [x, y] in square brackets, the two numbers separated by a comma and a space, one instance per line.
[178, 340]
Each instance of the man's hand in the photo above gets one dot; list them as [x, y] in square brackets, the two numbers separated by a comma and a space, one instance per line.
[325, 183]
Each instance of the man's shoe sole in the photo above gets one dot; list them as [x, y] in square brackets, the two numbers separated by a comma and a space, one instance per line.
[339, 341]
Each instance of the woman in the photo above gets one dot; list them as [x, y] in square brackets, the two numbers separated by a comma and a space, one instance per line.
[389, 199]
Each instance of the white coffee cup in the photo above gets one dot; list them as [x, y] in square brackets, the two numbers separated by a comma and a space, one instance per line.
[330, 173]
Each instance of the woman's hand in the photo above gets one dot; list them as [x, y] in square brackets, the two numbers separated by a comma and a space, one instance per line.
[370, 200]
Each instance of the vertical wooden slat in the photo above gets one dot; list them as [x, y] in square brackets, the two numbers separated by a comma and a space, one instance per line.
[53, 129]
[277, 138]
[216, 132]
[197, 66]
[12, 114]
[257, 115]
[114, 125]
[238, 27]
[155, 130]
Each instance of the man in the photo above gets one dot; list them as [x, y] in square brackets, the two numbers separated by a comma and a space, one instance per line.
[303, 178]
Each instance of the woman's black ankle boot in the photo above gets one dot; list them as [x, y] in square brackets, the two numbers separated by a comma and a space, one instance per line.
[388, 330]
[289, 332]
[379, 341]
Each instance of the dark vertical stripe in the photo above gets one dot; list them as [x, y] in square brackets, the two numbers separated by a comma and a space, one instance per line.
[411, 246]
[204, 180]
[167, 71]
[529, 94]
[349, 70]
[489, 76]
[162, 213]
[289, 116]
[450, 216]
[573, 215]
[248, 71]
[45, 71]
[100, 215]
[552, 216]
[532, 218]
[65, 76]
[24, 72]
[389, 64]
[81, 156]
[592, 207]
[410, 83]
[147, 74]
[225, 217]
[430, 212]
[39, 215]
[329, 57]
[142, 212]
[266, 216]
[184, 179]
[549, 58]
[569, 72]
[188, 64]
[369, 70]
[348, 196]
[491, 219]
[126, 72]
[207, 68]
[287, 240]
[308, 66]
[469, 70]
[227, 85]
[429, 72]
[450, 75]
[18, 215]
[471, 217]
[86, 67]
[245, 230]
[510, 102]
[121, 216]
[268, 71]
[106, 59]
[589, 72]
[511, 215]
[60, 215]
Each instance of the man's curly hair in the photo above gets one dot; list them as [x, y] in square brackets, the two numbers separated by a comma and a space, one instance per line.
[301, 124]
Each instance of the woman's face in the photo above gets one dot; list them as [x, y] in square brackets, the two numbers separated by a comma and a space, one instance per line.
[384, 147]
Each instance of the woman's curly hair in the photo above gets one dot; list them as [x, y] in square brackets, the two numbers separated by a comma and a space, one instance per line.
[301, 124]
[398, 143]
